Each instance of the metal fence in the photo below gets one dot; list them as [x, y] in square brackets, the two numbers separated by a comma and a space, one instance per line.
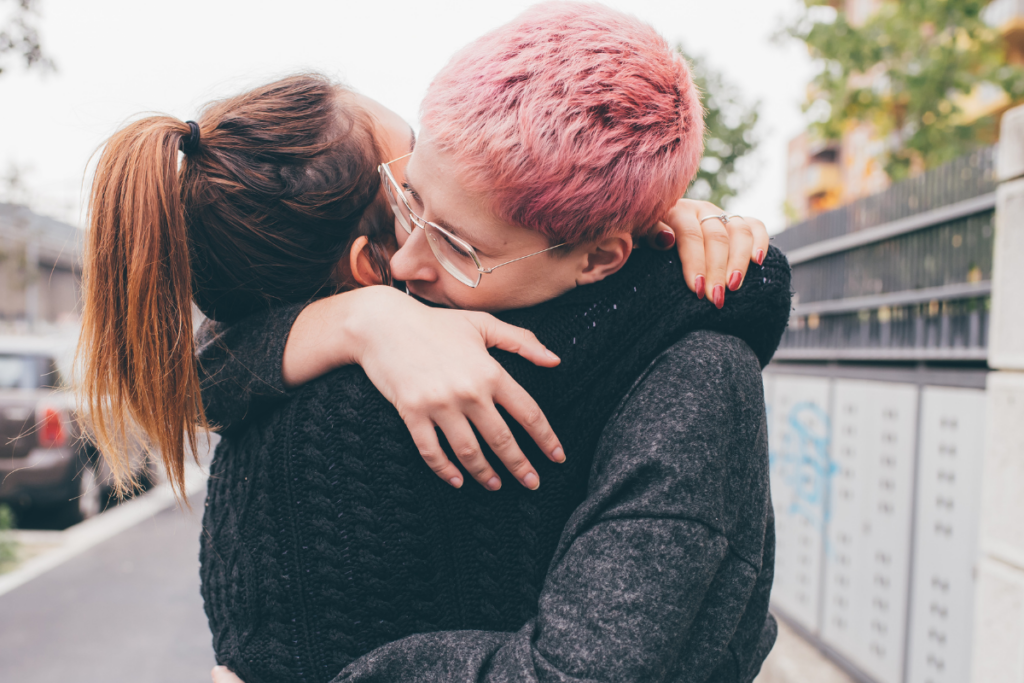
[902, 275]
[966, 178]
[876, 411]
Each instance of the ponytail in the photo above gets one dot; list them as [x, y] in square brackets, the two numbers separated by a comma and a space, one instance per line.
[259, 214]
[139, 382]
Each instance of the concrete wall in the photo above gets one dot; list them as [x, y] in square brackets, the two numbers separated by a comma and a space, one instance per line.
[998, 652]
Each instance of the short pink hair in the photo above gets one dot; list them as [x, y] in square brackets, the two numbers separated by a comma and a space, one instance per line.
[576, 119]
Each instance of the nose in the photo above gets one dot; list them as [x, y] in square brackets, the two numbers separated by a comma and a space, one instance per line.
[414, 262]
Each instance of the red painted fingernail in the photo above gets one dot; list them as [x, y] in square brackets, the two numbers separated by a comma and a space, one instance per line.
[665, 239]
[700, 286]
[760, 257]
[719, 296]
[734, 280]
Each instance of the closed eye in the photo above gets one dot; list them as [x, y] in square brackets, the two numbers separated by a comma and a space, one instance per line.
[412, 193]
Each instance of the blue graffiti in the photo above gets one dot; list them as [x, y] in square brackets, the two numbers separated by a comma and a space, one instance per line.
[799, 458]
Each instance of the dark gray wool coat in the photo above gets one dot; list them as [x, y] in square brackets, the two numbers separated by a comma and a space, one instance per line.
[329, 549]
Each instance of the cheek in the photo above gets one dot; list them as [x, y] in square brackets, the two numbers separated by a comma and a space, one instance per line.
[400, 234]
[458, 295]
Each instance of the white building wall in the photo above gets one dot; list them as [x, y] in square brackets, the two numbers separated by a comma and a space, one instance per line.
[998, 652]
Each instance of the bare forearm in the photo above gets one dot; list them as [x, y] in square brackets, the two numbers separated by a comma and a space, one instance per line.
[330, 333]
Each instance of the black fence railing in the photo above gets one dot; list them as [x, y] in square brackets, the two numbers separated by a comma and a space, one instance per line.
[902, 275]
[967, 177]
[937, 330]
[947, 254]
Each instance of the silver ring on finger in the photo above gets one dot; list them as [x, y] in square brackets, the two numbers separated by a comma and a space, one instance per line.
[724, 218]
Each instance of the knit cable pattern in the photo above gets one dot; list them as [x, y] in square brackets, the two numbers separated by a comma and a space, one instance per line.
[326, 536]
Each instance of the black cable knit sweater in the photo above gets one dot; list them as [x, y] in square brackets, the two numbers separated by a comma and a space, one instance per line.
[325, 535]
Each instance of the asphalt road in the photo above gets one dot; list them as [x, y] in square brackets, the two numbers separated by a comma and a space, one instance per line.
[127, 610]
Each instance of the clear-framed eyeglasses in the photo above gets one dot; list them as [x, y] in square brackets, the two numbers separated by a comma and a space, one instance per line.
[455, 255]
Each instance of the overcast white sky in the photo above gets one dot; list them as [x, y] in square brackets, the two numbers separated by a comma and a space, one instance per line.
[117, 58]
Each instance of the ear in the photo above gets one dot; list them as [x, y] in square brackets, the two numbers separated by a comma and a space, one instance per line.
[605, 257]
[360, 265]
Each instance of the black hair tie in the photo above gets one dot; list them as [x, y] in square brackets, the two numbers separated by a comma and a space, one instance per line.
[190, 144]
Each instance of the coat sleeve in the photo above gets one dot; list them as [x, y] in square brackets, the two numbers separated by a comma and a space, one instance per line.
[623, 594]
[240, 364]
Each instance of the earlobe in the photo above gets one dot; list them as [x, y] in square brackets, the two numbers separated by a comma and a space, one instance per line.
[605, 258]
[360, 265]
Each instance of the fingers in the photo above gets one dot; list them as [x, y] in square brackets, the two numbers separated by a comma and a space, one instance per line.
[715, 253]
[741, 244]
[660, 237]
[682, 221]
[425, 438]
[716, 256]
[760, 232]
[524, 410]
[496, 433]
[467, 449]
[515, 340]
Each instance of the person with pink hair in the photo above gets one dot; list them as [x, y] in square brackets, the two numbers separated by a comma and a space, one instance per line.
[572, 125]
[548, 148]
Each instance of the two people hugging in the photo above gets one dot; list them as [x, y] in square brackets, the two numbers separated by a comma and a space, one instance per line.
[533, 215]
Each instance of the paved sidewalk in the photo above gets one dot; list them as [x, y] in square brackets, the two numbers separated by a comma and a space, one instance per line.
[129, 609]
[126, 610]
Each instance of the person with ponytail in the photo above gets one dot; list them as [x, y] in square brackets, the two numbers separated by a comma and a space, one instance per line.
[275, 189]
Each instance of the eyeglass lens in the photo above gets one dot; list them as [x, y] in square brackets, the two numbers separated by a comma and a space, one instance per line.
[453, 256]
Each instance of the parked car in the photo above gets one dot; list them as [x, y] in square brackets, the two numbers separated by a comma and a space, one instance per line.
[44, 461]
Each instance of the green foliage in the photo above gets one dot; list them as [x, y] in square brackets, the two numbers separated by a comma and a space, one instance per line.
[730, 136]
[8, 548]
[19, 37]
[905, 71]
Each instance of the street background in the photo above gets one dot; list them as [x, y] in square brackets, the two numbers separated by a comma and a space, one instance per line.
[882, 141]
[127, 609]
[118, 58]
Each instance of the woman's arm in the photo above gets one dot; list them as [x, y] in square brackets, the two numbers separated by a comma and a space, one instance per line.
[428, 362]
[240, 365]
[265, 355]
[431, 363]
[635, 591]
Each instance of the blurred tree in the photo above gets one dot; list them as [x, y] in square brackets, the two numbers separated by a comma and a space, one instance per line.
[730, 135]
[19, 36]
[908, 71]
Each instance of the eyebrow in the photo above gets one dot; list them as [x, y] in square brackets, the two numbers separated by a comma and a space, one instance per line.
[412, 139]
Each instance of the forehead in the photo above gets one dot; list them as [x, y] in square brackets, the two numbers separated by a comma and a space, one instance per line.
[435, 177]
[447, 199]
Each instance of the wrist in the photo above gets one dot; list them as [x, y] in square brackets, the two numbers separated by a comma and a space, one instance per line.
[327, 334]
[361, 320]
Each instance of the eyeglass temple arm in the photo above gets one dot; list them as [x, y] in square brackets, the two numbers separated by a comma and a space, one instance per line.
[492, 268]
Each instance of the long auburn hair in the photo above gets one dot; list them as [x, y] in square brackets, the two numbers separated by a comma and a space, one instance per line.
[260, 212]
